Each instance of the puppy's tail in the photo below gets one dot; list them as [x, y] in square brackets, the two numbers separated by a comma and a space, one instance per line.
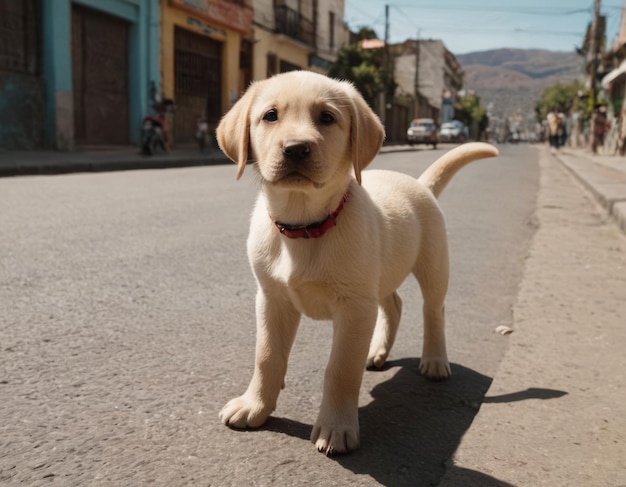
[438, 174]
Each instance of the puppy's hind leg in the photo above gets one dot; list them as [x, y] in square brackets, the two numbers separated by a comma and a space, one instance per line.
[389, 312]
[432, 272]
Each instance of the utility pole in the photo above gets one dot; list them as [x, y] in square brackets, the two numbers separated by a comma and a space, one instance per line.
[594, 48]
[622, 117]
[387, 63]
[386, 27]
[417, 76]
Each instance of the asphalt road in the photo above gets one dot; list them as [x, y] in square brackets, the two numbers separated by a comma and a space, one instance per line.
[127, 321]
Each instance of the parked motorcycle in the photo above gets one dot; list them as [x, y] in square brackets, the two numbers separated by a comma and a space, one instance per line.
[154, 132]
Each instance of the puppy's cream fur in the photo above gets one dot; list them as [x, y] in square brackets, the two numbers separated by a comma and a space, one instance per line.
[311, 137]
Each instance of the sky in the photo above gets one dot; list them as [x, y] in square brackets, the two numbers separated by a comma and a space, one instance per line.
[480, 25]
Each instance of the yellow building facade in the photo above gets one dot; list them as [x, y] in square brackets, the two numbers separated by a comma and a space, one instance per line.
[275, 54]
[205, 60]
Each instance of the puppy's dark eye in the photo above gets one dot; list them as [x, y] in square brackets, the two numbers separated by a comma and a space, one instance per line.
[327, 118]
[271, 116]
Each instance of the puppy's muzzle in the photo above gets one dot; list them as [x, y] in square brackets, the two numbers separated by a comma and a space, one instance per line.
[296, 150]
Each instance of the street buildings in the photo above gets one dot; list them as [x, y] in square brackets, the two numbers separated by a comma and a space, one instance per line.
[613, 83]
[297, 34]
[206, 48]
[84, 73]
[428, 78]
[75, 72]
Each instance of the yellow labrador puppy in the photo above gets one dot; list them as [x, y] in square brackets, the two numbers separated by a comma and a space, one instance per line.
[333, 243]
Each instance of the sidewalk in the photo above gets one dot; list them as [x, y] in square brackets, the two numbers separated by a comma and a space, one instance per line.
[20, 163]
[555, 413]
[603, 175]
[33, 162]
[24, 163]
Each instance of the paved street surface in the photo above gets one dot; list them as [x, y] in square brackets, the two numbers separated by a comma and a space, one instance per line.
[127, 321]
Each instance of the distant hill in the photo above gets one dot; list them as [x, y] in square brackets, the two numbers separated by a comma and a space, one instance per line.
[510, 81]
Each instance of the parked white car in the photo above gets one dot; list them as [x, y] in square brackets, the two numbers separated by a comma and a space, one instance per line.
[454, 131]
[422, 131]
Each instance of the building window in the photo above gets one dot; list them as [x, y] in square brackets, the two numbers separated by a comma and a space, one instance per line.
[19, 36]
[286, 66]
[293, 23]
[272, 65]
[245, 64]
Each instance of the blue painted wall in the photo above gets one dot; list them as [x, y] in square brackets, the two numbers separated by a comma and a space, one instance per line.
[21, 111]
[57, 68]
[21, 85]
[143, 63]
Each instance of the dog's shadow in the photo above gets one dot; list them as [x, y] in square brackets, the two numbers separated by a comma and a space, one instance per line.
[413, 424]
[412, 427]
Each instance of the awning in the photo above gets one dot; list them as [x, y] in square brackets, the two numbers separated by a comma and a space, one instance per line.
[613, 75]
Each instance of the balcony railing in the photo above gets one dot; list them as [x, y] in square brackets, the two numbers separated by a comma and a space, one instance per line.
[292, 24]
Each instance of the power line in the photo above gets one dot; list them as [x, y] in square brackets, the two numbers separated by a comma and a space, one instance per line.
[541, 11]
[522, 10]
[469, 30]
[430, 29]
[494, 9]
[375, 20]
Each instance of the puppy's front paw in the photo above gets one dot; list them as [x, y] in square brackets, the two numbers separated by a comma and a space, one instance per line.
[435, 368]
[244, 412]
[336, 438]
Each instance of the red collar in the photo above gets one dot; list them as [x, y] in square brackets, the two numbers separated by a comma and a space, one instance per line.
[314, 230]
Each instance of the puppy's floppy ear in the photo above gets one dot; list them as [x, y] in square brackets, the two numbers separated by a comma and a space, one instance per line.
[366, 133]
[233, 132]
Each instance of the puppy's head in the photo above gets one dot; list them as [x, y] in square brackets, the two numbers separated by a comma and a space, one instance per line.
[302, 129]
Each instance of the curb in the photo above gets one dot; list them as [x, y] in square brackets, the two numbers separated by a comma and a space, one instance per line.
[607, 185]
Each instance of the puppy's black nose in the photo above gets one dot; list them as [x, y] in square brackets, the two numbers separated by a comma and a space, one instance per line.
[296, 150]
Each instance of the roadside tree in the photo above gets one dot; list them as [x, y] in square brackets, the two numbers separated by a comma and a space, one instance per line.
[566, 98]
[363, 67]
[473, 115]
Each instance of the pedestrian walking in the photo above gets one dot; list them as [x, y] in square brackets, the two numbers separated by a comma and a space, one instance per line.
[600, 125]
[555, 129]
[562, 129]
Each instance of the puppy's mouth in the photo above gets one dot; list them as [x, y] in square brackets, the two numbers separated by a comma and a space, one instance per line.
[296, 179]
